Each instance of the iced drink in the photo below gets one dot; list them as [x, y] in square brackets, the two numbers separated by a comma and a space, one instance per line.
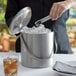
[10, 66]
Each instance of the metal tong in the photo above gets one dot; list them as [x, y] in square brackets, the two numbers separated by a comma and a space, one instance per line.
[38, 22]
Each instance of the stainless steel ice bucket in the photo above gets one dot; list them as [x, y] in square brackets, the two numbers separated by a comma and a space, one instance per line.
[37, 49]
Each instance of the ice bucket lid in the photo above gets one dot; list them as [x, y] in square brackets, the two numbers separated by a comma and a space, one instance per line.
[20, 20]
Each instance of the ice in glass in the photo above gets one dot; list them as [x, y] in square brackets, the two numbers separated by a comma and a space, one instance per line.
[10, 66]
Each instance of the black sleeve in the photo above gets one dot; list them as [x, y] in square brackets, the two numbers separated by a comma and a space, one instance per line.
[11, 10]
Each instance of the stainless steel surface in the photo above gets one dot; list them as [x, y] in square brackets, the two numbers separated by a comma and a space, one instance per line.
[38, 22]
[37, 49]
[20, 20]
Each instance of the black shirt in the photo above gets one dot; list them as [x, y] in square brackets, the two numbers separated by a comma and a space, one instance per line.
[40, 9]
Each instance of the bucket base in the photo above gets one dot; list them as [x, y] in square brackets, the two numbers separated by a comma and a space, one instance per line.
[30, 62]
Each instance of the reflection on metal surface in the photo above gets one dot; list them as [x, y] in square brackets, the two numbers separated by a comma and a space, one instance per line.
[21, 20]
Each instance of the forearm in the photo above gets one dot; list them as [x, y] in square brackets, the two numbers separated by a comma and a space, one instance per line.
[72, 2]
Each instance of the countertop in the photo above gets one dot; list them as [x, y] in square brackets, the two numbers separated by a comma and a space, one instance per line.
[23, 71]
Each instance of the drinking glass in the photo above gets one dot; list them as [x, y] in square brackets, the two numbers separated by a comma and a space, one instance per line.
[10, 65]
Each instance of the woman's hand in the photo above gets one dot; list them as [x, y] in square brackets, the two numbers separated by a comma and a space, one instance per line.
[59, 8]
